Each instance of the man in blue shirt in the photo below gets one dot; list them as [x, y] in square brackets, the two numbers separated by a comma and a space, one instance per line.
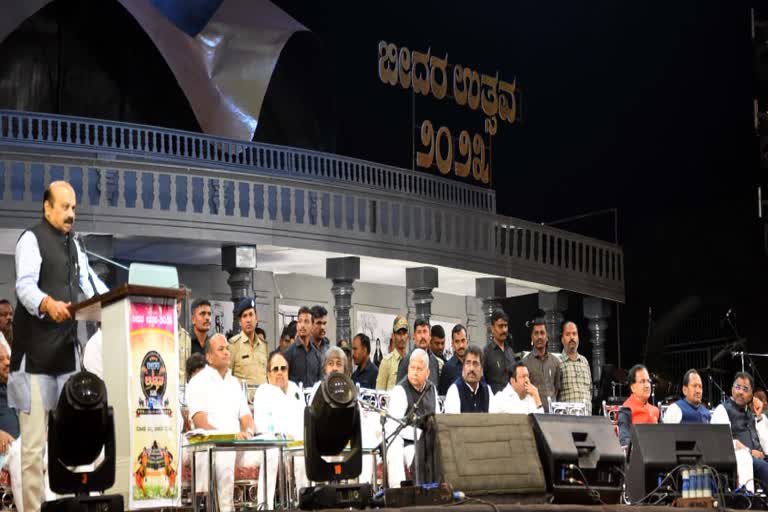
[52, 273]
[366, 372]
[453, 368]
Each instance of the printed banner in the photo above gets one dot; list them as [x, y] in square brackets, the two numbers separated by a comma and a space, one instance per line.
[153, 398]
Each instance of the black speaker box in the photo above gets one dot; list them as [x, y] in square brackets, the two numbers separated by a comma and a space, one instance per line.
[488, 454]
[588, 443]
[657, 449]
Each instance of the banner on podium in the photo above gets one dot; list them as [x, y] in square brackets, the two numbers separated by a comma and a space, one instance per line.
[153, 398]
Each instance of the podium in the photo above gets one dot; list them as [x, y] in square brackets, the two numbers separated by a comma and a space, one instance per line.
[141, 371]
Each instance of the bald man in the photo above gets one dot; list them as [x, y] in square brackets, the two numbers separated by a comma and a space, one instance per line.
[52, 272]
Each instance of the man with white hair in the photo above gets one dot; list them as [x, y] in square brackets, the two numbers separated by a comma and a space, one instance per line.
[414, 398]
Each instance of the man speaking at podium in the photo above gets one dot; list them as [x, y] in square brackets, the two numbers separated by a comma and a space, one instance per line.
[52, 272]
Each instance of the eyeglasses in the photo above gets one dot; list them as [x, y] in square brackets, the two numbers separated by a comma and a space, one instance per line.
[276, 369]
[745, 389]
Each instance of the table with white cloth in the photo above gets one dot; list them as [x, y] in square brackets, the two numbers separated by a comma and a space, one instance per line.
[211, 447]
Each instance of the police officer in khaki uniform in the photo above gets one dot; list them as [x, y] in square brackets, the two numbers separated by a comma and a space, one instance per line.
[248, 352]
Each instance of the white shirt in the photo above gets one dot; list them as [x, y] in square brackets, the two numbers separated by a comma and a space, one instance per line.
[92, 355]
[4, 342]
[222, 399]
[283, 410]
[508, 401]
[452, 404]
[720, 417]
[673, 415]
[398, 405]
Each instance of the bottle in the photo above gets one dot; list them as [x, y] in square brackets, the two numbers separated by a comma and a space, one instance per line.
[377, 356]
[696, 491]
[707, 483]
[686, 484]
[270, 424]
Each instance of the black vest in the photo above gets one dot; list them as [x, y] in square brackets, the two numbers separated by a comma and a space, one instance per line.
[473, 402]
[427, 404]
[48, 345]
[743, 425]
[425, 449]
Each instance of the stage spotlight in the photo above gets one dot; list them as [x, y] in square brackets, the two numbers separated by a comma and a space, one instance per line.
[331, 422]
[78, 429]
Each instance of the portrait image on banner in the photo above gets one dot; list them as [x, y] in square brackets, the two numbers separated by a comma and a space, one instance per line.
[153, 398]
[378, 327]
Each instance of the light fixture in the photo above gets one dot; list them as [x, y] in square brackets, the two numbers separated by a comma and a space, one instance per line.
[78, 429]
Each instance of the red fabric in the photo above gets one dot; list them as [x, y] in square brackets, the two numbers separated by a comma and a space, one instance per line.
[642, 413]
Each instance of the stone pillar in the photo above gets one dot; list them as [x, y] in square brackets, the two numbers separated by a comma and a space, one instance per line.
[342, 272]
[239, 261]
[597, 311]
[490, 290]
[553, 304]
[101, 245]
[420, 281]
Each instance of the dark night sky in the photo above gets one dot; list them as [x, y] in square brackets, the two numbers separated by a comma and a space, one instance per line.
[641, 106]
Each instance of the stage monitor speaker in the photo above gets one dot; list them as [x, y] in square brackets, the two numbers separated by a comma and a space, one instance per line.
[657, 449]
[588, 443]
[488, 454]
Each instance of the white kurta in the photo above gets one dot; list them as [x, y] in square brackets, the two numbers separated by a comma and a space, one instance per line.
[223, 400]
[508, 401]
[452, 403]
[398, 456]
[743, 455]
[277, 412]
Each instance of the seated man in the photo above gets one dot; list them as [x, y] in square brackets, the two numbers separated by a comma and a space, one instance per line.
[10, 443]
[216, 402]
[519, 396]
[689, 409]
[279, 409]
[636, 408]
[744, 414]
[413, 397]
[470, 393]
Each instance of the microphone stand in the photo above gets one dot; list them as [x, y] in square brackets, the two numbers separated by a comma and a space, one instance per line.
[713, 381]
[383, 416]
[742, 354]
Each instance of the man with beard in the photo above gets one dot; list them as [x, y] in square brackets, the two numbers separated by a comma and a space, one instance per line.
[422, 336]
[452, 369]
[248, 352]
[317, 332]
[498, 356]
[744, 413]
[470, 393]
[52, 273]
[577, 376]
[6, 315]
[689, 409]
[305, 362]
[545, 368]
